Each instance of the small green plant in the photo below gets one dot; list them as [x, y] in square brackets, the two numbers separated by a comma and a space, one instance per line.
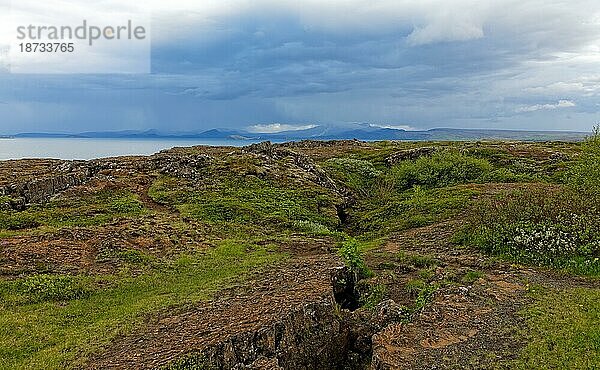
[426, 274]
[421, 261]
[54, 288]
[126, 205]
[311, 227]
[414, 287]
[375, 296]
[472, 276]
[191, 361]
[425, 296]
[352, 256]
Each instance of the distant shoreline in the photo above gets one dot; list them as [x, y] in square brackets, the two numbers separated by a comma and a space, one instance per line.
[364, 133]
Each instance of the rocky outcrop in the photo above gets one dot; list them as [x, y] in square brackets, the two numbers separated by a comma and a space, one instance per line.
[189, 166]
[310, 337]
[409, 154]
[301, 161]
[317, 335]
[63, 176]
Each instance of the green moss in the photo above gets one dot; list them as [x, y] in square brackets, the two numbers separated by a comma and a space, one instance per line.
[562, 330]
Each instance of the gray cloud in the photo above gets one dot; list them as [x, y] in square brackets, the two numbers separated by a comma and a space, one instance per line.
[421, 64]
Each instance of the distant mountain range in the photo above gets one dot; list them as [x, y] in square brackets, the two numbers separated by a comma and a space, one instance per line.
[360, 132]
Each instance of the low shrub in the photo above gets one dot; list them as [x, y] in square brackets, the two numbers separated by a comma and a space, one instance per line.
[556, 227]
[357, 174]
[54, 288]
[585, 173]
[352, 256]
[439, 170]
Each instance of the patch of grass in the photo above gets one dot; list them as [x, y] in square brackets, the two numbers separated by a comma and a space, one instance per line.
[45, 335]
[125, 205]
[585, 173]
[5, 202]
[505, 175]
[90, 210]
[132, 256]
[413, 287]
[562, 330]
[413, 208]
[247, 200]
[39, 288]
[357, 174]
[425, 296]
[420, 261]
[446, 168]
[311, 228]
[426, 274]
[471, 276]
[192, 361]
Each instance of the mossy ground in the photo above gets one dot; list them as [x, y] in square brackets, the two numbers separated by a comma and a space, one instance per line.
[156, 242]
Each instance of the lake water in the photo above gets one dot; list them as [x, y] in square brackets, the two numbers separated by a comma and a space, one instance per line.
[77, 148]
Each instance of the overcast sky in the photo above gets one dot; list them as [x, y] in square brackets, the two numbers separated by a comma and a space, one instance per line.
[420, 64]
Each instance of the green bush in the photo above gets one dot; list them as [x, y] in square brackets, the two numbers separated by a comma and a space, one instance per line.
[54, 288]
[504, 175]
[375, 296]
[585, 174]
[357, 174]
[543, 226]
[352, 256]
[439, 170]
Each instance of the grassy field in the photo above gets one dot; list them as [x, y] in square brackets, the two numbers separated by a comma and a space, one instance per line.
[56, 321]
[180, 240]
[562, 330]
